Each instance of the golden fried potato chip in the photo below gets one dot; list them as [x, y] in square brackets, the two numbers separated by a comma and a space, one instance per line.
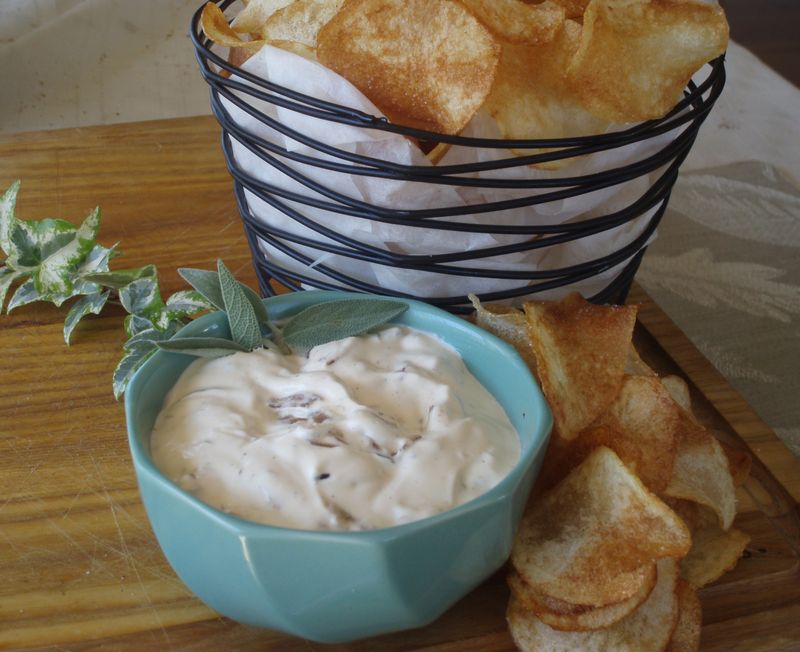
[701, 472]
[577, 618]
[300, 49]
[642, 426]
[585, 540]
[679, 391]
[252, 18]
[572, 8]
[686, 637]
[530, 98]
[739, 463]
[581, 350]
[714, 551]
[635, 366]
[636, 56]
[300, 21]
[215, 26]
[515, 22]
[648, 628]
[425, 63]
[509, 324]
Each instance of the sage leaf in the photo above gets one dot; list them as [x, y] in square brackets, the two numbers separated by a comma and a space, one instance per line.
[142, 297]
[129, 364]
[89, 304]
[241, 315]
[119, 278]
[7, 277]
[207, 284]
[204, 347]
[7, 219]
[57, 269]
[335, 320]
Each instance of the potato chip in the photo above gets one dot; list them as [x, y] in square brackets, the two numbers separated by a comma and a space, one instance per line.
[636, 56]
[686, 637]
[679, 391]
[581, 350]
[530, 98]
[714, 551]
[300, 21]
[648, 628]
[642, 426]
[515, 22]
[300, 49]
[739, 463]
[585, 540]
[577, 618]
[572, 8]
[215, 26]
[635, 366]
[252, 18]
[425, 63]
[701, 472]
[509, 324]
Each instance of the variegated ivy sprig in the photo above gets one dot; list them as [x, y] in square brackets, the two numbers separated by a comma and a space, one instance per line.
[52, 260]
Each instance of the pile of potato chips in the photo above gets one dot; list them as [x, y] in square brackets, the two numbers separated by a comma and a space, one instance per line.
[541, 69]
[634, 506]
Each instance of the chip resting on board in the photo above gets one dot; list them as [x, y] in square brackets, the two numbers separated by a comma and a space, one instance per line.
[648, 628]
[686, 636]
[592, 538]
[581, 352]
[425, 63]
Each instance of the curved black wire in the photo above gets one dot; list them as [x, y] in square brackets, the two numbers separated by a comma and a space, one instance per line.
[325, 238]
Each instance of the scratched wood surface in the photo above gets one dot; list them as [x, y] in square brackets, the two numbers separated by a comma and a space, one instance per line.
[79, 566]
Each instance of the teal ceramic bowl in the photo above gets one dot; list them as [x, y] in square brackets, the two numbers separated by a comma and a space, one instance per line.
[338, 586]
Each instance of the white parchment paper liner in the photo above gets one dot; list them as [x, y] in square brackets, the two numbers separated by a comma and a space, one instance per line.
[311, 78]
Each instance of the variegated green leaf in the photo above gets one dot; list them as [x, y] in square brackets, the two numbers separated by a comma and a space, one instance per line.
[25, 294]
[142, 297]
[34, 240]
[7, 219]
[119, 278]
[7, 277]
[151, 335]
[129, 364]
[91, 303]
[96, 262]
[57, 271]
[135, 324]
[187, 303]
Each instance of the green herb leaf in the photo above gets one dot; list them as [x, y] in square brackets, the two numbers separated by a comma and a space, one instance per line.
[91, 303]
[96, 262]
[241, 315]
[7, 219]
[7, 277]
[119, 278]
[129, 364]
[151, 335]
[58, 267]
[142, 297]
[335, 320]
[187, 303]
[204, 347]
[135, 324]
[207, 284]
[25, 294]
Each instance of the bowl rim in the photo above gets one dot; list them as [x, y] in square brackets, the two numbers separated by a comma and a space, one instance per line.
[294, 302]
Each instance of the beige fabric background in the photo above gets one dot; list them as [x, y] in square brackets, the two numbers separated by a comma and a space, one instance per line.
[726, 265]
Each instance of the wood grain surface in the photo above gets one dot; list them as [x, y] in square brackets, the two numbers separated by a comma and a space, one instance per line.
[79, 565]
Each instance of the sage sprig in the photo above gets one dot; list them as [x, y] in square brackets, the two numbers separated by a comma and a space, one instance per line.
[55, 261]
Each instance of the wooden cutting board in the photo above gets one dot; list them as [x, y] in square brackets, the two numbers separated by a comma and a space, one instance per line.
[79, 566]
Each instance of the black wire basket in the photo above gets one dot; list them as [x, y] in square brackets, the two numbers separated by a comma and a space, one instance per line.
[295, 257]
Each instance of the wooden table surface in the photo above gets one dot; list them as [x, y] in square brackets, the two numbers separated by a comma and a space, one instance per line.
[79, 566]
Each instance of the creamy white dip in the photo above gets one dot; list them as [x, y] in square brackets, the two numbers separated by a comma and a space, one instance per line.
[365, 432]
